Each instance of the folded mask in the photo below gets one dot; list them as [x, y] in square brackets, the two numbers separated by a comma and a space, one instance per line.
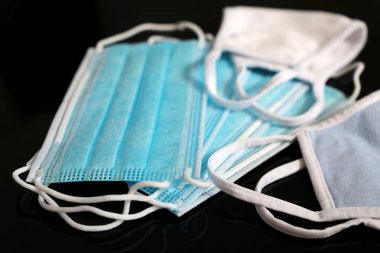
[308, 45]
[341, 155]
[134, 112]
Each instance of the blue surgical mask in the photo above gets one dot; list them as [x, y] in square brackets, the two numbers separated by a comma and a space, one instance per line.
[134, 112]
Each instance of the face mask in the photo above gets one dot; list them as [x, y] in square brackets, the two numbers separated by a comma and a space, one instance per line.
[313, 46]
[341, 155]
[126, 117]
[240, 125]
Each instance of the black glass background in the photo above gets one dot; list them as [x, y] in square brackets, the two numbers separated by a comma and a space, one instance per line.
[41, 45]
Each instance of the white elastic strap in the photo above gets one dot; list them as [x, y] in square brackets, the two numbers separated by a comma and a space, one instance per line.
[358, 68]
[49, 204]
[314, 111]
[153, 27]
[194, 181]
[193, 176]
[260, 125]
[277, 79]
[160, 38]
[105, 198]
[249, 195]
[270, 219]
[280, 77]
[210, 37]
[65, 217]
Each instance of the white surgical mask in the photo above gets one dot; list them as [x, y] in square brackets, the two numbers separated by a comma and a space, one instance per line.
[308, 45]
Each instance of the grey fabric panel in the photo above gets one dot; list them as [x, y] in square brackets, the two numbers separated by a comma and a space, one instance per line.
[349, 156]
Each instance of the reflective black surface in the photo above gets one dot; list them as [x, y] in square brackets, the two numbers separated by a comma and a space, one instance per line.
[42, 43]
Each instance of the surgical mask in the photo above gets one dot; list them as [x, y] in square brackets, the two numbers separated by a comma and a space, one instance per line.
[307, 45]
[240, 125]
[341, 155]
[134, 112]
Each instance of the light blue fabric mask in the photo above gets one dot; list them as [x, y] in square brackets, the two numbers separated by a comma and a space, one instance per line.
[131, 122]
[341, 155]
[134, 112]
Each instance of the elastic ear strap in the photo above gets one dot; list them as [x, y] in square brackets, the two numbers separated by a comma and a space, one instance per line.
[259, 126]
[255, 197]
[94, 210]
[190, 175]
[105, 198]
[358, 68]
[280, 78]
[318, 89]
[65, 217]
[153, 27]
[296, 231]
[270, 219]
[277, 79]
[160, 38]
[49, 204]
[211, 83]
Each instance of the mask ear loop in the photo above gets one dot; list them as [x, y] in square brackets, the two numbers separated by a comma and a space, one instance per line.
[358, 68]
[276, 80]
[285, 171]
[260, 125]
[153, 27]
[287, 75]
[49, 204]
[160, 38]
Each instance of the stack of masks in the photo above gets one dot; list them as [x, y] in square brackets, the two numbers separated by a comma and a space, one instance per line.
[152, 113]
